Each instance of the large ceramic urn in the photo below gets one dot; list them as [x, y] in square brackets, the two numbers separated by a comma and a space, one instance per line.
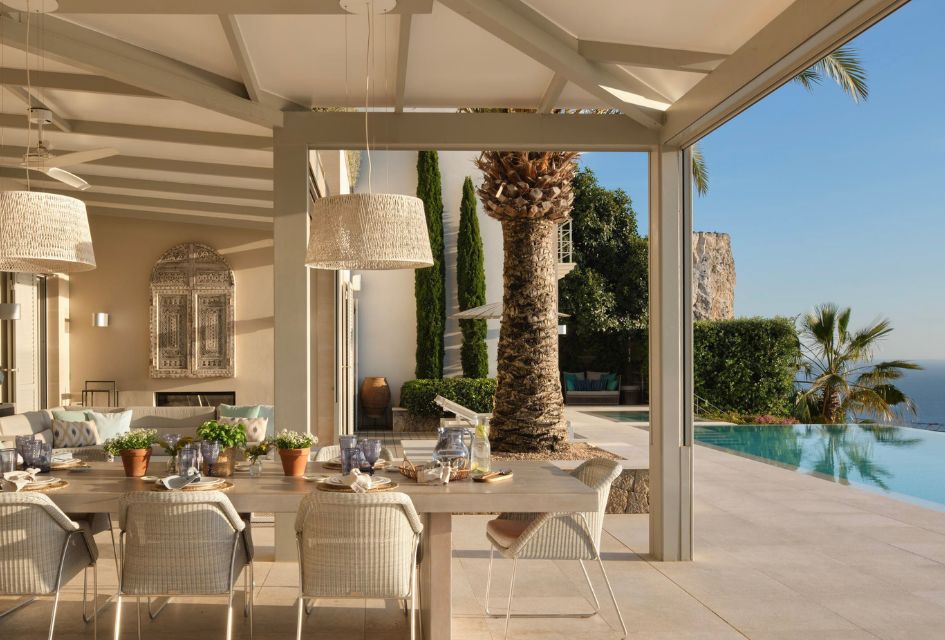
[375, 396]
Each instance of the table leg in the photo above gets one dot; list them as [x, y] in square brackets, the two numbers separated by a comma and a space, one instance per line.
[285, 546]
[436, 606]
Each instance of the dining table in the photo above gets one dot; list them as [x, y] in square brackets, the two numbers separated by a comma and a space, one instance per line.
[534, 487]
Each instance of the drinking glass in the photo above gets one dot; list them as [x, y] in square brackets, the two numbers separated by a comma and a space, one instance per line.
[7, 460]
[22, 442]
[41, 456]
[210, 452]
[370, 451]
[350, 459]
[346, 442]
[186, 460]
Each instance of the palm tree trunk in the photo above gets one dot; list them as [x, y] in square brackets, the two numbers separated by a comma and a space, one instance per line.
[529, 409]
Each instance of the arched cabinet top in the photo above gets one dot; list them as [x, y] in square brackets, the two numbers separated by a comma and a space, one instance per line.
[191, 265]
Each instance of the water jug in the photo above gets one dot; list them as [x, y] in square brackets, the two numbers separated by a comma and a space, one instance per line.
[453, 445]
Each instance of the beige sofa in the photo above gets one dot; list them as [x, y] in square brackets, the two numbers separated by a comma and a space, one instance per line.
[166, 420]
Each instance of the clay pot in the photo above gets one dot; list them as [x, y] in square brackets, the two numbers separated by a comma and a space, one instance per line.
[136, 462]
[375, 396]
[294, 461]
[223, 467]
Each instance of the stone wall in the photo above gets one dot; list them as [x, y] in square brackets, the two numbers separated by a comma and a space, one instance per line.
[713, 276]
[630, 492]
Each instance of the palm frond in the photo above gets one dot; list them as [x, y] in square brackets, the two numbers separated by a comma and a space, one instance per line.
[844, 67]
[700, 171]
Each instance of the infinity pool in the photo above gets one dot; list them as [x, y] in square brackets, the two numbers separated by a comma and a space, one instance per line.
[892, 460]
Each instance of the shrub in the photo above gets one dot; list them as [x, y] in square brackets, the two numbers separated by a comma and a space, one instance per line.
[134, 439]
[746, 365]
[471, 285]
[428, 283]
[416, 396]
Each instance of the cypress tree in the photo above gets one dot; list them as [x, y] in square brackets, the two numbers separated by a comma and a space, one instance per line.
[471, 285]
[428, 283]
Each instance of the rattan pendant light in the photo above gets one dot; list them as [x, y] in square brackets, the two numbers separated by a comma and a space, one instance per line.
[368, 230]
[43, 232]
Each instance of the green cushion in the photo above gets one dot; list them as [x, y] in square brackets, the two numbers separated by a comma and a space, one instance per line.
[110, 425]
[571, 380]
[234, 411]
[69, 416]
[610, 382]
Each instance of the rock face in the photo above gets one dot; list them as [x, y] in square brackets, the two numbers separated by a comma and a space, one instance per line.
[713, 276]
[630, 492]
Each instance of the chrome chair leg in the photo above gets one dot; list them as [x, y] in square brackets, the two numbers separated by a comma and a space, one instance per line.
[229, 616]
[508, 611]
[22, 602]
[613, 598]
[413, 604]
[164, 600]
[86, 616]
[298, 623]
[495, 614]
[590, 586]
[252, 597]
[118, 616]
[309, 606]
[138, 613]
[52, 617]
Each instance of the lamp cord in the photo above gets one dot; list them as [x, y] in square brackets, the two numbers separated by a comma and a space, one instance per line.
[367, 94]
[29, 98]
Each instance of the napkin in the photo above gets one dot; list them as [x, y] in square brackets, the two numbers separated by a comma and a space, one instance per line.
[63, 456]
[16, 480]
[358, 482]
[437, 474]
[174, 483]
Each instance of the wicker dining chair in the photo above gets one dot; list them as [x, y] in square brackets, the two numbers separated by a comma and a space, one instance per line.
[182, 543]
[358, 545]
[556, 536]
[333, 452]
[41, 549]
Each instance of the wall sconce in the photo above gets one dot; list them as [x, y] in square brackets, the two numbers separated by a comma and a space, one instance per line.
[100, 319]
[562, 329]
[9, 311]
[356, 282]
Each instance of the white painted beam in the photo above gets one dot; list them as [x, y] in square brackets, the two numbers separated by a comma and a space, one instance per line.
[471, 131]
[100, 54]
[99, 182]
[70, 82]
[32, 100]
[403, 53]
[244, 62]
[652, 57]
[154, 134]
[235, 7]
[550, 98]
[186, 167]
[670, 353]
[185, 218]
[113, 200]
[802, 34]
[521, 27]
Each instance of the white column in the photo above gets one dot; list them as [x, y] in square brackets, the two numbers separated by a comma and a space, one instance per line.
[292, 366]
[670, 355]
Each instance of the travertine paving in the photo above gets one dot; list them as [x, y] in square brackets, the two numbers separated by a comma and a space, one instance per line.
[779, 556]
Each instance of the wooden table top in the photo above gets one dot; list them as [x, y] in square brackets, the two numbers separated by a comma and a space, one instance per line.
[535, 487]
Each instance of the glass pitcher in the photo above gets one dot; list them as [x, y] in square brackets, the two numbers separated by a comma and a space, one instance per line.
[453, 446]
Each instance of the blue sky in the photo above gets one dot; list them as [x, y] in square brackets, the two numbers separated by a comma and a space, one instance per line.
[828, 200]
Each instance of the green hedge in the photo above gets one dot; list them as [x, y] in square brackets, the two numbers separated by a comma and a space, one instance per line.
[416, 396]
[746, 365]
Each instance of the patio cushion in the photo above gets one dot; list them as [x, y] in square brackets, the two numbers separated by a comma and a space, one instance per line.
[238, 411]
[571, 380]
[110, 425]
[69, 416]
[505, 532]
[74, 433]
[255, 427]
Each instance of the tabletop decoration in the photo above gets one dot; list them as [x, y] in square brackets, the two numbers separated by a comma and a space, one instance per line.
[229, 436]
[134, 447]
[294, 449]
[172, 443]
[253, 453]
[435, 473]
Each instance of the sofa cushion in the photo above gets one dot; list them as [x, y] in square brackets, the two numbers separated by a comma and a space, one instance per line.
[571, 380]
[69, 415]
[112, 424]
[268, 411]
[596, 375]
[238, 411]
[23, 424]
[74, 433]
[255, 427]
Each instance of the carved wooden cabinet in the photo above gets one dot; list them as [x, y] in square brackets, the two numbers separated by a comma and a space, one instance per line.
[191, 314]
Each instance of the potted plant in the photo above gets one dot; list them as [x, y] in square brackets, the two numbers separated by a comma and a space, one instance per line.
[294, 449]
[253, 454]
[134, 447]
[229, 436]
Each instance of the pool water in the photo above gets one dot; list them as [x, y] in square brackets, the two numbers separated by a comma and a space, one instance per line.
[893, 460]
[627, 416]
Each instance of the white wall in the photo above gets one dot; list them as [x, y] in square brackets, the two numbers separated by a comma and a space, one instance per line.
[387, 334]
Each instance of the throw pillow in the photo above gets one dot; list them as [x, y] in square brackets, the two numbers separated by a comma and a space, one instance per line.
[235, 411]
[596, 375]
[70, 434]
[578, 375]
[255, 427]
[612, 383]
[68, 416]
[570, 381]
[110, 425]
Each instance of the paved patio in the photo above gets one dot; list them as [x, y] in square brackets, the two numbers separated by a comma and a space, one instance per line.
[778, 556]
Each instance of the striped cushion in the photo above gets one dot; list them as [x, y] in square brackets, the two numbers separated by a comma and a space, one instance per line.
[68, 434]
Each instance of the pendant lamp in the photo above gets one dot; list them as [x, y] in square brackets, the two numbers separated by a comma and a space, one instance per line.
[44, 233]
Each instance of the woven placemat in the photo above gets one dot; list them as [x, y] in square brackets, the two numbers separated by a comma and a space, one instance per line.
[62, 484]
[380, 465]
[65, 466]
[324, 486]
[223, 486]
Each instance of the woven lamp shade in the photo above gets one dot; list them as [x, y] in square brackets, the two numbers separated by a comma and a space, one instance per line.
[44, 233]
[369, 231]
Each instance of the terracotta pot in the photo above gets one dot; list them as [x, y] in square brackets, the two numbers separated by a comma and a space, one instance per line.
[223, 467]
[136, 462]
[294, 460]
[375, 396]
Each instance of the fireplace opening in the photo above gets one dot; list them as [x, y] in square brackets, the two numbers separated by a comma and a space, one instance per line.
[193, 398]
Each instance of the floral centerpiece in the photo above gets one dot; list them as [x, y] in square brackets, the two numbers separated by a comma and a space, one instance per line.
[253, 454]
[294, 449]
[229, 436]
[134, 447]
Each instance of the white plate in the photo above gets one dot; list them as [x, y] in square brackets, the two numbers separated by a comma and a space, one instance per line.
[377, 481]
[311, 478]
[150, 478]
[208, 482]
[42, 482]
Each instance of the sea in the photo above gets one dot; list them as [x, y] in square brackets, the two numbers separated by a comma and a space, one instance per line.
[927, 390]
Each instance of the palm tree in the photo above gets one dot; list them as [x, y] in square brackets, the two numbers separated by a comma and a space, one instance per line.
[530, 193]
[841, 379]
[843, 66]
